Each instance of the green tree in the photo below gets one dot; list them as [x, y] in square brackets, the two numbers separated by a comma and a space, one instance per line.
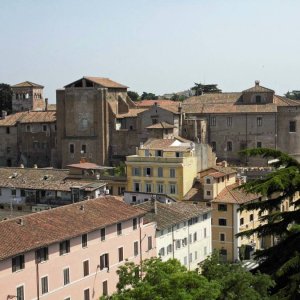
[282, 260]
[235, 281]
[5, 98]
[134, 96]
[149, 96]
[200, 89]
[295, 95]
[163, 280]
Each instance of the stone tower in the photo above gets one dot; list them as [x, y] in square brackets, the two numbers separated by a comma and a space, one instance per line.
[27, 96]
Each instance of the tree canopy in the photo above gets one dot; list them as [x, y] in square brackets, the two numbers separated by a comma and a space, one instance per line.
[5, 98]
[170, 280]
[134, 96]
[282, 260]
[200, 89]
[148, 96]
[295, 95]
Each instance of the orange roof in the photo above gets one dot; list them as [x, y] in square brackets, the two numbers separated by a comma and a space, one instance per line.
[11, 120]
[132, 113]
[88, 166]
[148, 103]
[38, 117]
[51, 226]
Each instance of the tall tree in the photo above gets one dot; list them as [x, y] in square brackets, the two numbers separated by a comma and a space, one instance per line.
[149, 96]
[295, 95]
[201, 89]
[282, 260]
[5, 98]
[134, 96]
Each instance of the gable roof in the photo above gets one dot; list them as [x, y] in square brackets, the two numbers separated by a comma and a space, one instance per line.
[51, 226]
[257, 88]
[27, 84]
[104, 82]
[168, 215]
[167, 144]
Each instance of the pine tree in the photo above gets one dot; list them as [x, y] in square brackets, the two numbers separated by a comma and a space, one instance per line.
[281, 260]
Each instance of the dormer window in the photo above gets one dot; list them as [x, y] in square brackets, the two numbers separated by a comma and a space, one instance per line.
[208, 180]
[257, 99]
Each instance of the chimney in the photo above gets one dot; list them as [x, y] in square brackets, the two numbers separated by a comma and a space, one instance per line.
[46, 104]
[179, 107]
[4, 114]
[82, 207]
[20, 221]
[256, 82]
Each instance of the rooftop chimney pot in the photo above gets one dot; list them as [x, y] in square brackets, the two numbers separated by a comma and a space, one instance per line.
[256, 82]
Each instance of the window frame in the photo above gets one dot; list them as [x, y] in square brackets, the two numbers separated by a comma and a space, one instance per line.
[222, 222]
[44, 285]
[18, 263]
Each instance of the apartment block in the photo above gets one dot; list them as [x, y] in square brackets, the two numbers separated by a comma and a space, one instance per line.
[72, 252]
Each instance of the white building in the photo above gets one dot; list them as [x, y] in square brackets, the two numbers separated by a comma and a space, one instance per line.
[183, 231]
[141, 197]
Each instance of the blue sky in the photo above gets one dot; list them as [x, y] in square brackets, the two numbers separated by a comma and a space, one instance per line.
[156, 46]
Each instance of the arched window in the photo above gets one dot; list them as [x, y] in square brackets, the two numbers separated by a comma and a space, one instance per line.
[208, 180]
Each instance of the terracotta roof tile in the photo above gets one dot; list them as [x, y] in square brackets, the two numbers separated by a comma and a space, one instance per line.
[11, 120]
[161, 125]
[106, 82]
[132, 113]
[149, 103]
[47, 227]
[166, 144]
[170, 214]
[38, 117]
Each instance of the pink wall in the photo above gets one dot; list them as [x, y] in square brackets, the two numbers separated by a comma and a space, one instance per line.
[53, 267]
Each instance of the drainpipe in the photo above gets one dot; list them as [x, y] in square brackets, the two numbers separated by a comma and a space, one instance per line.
[141, 256]
[188, 240]
[37, 280]
[173, 240]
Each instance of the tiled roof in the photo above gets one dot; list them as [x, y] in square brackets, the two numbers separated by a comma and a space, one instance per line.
[88, 166]
[214, 98]
[133, 112]
[149, 103]
[258, 89]
[51, 226]
[195, 193]
[161, 125]
[38, 117]
[29, 117]
[41, 179]
[166, 144]
[217, 171]
[27, 84]
[235, 196]
[171, 214]
[105, 82]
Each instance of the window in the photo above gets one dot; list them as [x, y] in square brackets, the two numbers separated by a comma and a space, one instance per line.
[222, 237]
[72, 148]
[102, 234]
[204, 217]
[222, 207]
[241, 221]
[86, 294]
[147, 172]
[7, 130]
[292, 127]
[177, 154]
[195, 236]
[208, 193]
[178, 244]
[258, 145]
[86, 268]
[205, 233]
[190, 257]
[66, 273]
[44, 128]
[160, 172]
[258, 99]
[160, 188]
[229, 121]
[20, 293]
[136, 248]
[13, 192]
[214, 146]
[190, 238]
[136, 171]
[44, 284]
[184, 242]
[104, 288]
[28, 128]
[251, 218]
[159, 153]
[104, 261]
[172, 173]
[121, 254]
[222, 222]
[133, 199]
[136, 186]
[169, 248]
[229, 146]
[149, 243]
[259, 121]
[185, 260]
[41, 254]
[83, 149]
[148, 187]
[84, 239]
[213, 121]
[172, 188]
[119, 228]
[18, 263]
[134, 223]
[64, 247]
[208, 181]
[161, 251]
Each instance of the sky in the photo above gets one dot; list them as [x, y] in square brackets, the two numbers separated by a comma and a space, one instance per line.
[158, 46]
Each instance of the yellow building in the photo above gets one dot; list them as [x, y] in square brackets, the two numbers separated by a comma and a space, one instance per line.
[163, 166]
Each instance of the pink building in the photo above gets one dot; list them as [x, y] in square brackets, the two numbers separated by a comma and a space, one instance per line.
[72, 252]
